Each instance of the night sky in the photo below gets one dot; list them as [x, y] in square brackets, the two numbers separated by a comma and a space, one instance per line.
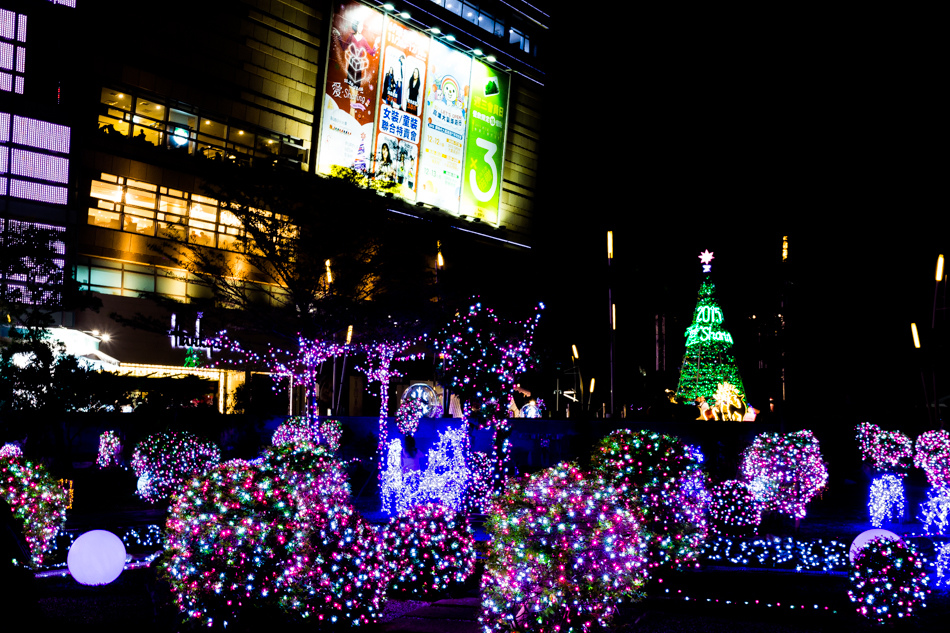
[706, 136]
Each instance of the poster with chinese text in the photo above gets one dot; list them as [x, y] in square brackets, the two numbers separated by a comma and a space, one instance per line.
[485, 143]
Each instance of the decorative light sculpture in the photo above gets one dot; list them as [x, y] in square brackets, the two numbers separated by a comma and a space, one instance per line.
[785, 471]
[96, 558]
[933, 456]
[330, 433]
[444, 481]
[733, 509]
[888, 451]
[935, 510]
[408, 415]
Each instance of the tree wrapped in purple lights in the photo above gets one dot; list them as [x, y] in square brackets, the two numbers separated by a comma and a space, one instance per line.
[164, 461]
[244, 540]
[662, 477]
[888, 581]
[428, 550]
[36, 499]
[933, 457]
[408, 415]
[110, 450]
[565, 552]
[888, 451]
[733, 509]
[785, 471]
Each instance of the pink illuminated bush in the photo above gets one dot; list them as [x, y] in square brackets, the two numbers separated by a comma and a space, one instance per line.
[163, 462]
[785, 471]
[933, 457]
[733, 509]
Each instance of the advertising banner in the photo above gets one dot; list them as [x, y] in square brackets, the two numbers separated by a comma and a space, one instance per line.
[403, 69]
[485, 143]
[349, 105]
[445, 122]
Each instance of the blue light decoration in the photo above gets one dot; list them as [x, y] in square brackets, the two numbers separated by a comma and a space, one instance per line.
[942, 564]
[444, 481]
[934, 511]
[886, 501]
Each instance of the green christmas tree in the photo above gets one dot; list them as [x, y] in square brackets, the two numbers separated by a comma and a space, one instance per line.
[708, 362]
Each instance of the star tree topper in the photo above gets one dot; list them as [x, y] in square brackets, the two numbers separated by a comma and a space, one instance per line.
[706, 258]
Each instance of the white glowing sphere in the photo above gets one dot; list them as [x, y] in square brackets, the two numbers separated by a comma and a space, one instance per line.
[96, 558]
[866, 537]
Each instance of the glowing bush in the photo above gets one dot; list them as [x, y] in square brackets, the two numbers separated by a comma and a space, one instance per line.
[885, 450]
[110, 450]
[243, 539]
[933, 457]
[428, 550]
[311, 470]
[733, 509]
[886, 500]
[934, 511]
[479, 492]
[888, 581]
[164, 461]
[330, 432]
[36, 499]
[409, 413]
[663, 477]
[10, 451]
[565, 552]
[785, 471]
[294, 430]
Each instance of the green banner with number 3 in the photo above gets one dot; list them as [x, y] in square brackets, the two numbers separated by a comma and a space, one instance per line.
[485, 144]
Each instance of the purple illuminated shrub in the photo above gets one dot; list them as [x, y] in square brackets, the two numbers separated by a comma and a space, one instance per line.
[163, 462]
[428, 550]
[662, 477]
[565, 553]
[933, 457]
[785, 471]
[888, 581]
[733, 509]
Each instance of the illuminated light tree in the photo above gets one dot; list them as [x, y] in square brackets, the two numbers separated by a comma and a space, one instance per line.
[708, 361]
[164, 461]
[36, 499]
[887, 451]
[933, 457]
[293, 431]
[565, 553]
[785, 471]
[733, 509]
[935, 511]
[661, 477]
[244, 539]
[428, 550]
[888, 581]
[110, 450]
[886, 500]
[480, 358]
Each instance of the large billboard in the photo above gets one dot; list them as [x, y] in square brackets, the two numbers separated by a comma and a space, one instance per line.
[349, 104]
[409, 114]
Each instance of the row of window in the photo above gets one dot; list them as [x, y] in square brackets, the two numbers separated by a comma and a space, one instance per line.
[26, 167]
[12, 55]
[474, 14]
[146, 209]
[112, 277]
[152, 122]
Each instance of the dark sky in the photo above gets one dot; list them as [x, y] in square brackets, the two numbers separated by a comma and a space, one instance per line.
[728, 135]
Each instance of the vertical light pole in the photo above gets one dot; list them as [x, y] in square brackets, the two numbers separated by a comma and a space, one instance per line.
[938, 277]
[611, 314]
[923, 380]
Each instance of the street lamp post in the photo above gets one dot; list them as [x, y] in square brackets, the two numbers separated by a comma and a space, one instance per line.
[611, 314]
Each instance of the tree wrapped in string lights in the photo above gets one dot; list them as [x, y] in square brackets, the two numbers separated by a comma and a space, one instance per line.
[935, 511]
[565, 553]
[408, 415]
[933, 456]
[428, 550]
[110, 450]
[664, 478]
[888, 581]
[36, 499]
[886, 499]
[785, 471]
[480, 358]
[733, 509]
[244, 541]
[164, 461]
